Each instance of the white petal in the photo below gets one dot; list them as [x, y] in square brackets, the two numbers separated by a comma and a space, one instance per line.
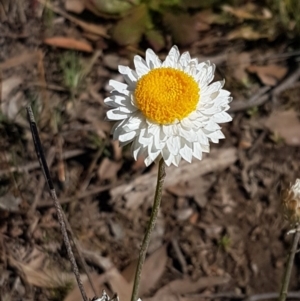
[222, 117]
[140, 66]
[148, 161]
[116, 114]
[172, 58]
[214, 109]
[211, 73]
[224, 93]
[197, 150]
[130, 76]
[203, 65]
[202, 138]
[191, 68]
[170, 130]
[173, 145]
[176, 160]
[152, 59]
[120, 87]
[144, 139]
[186, 153]
[168, 158]
[187, 123]
[153, 154]
[132, 124]
[135, 153]
[215, 136]
[212, 126]
[117, 100]
[205, 148]
[214, 87]
[189, 135]
[127, 137]
[184, 59]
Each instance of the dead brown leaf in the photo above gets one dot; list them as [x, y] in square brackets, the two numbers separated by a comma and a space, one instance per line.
[10, 202]
[192, 189]
[286, 124]
[209, 17]
[12, 102]
[98, 281]
[153, 269]
[74, 6]
[119, 284]
[39, 277]
[239, 62]
[270, 74]
[108, 169]
[113, 61]
[247, 33]
[188, 286]
[69, 43]
[249, 11]
[117, 150]
[184, 34]
[20, 59]
[8, 85]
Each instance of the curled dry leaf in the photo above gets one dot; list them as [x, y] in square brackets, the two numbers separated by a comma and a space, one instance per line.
[130, 29]
[249, 11]
[108, 169]
[42, 277]
[100, 7]
[184, 34]
[12, 103]
[209, 17]
[8, 85]
[24, 58]
[239, 62]
[288, 128]
[247, 33]
[9, 202]
[113, 61]
[69, 43]
[153, 270]
[188, 286]
[98, 281]
[270, 75]
[156, 39]
[74, 6]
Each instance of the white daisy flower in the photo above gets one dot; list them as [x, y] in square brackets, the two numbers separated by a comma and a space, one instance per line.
[168, 109]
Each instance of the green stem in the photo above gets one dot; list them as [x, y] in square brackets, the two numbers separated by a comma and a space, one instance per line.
[155, 209]
[289, 266]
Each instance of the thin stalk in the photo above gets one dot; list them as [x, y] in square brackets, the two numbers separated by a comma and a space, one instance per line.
[289, 266]
[59, 210]
[155, 209]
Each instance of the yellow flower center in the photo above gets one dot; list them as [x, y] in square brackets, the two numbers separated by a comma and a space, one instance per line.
[165, 95]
